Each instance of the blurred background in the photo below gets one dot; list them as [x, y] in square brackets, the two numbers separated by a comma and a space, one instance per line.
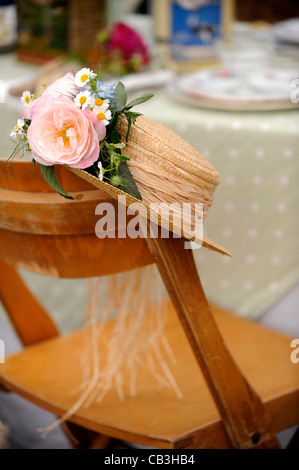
[225, 76]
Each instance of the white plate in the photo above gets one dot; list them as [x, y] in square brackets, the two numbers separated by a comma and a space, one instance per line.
[220, 89]
[274, 82]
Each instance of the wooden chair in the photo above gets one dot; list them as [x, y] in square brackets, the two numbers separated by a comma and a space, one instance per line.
[46, 234]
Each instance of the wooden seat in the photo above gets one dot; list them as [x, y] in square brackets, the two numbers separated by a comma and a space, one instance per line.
[159, 418]
[41, 232]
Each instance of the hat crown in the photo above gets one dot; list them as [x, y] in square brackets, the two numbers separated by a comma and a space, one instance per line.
[158, 146]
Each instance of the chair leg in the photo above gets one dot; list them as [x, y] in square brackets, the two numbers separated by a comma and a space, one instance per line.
[242, 411]
[101, 442]
[82, 438]
[31, 321]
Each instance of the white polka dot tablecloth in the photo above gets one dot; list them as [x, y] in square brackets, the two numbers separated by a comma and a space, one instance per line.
[255, 213]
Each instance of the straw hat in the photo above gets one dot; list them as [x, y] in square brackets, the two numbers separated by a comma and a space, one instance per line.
[166, 169]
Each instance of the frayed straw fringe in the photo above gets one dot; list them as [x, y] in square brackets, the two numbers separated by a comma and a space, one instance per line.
[136, 340]
[155, 189]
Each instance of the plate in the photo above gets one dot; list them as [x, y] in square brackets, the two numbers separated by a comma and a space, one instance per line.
[220, 89]
[287, 31]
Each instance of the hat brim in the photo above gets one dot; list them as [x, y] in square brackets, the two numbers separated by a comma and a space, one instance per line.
[162, 221]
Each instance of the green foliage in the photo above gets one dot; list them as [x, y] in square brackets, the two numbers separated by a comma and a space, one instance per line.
[129, 185]
[49, 175]
[131, 118]
[142, 99]
[119, 101]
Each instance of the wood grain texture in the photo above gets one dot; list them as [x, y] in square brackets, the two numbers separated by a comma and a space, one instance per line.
[71, 256]
[241, 409]
[45, 233]
[156, 416]
[22, 175]
[51, 214]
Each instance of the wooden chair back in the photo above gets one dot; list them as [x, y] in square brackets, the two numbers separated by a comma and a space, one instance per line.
[43, 232]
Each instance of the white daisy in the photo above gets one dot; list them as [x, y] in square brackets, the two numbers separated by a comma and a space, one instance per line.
[27, 98]
[19, 126]
[83, 76]
[14, 135]
[100, 102]
[18, 130]
[102, 112]
[101, 174]
[93, 75]
[84, 99]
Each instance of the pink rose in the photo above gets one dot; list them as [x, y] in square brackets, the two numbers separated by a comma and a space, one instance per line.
[62, 133]
[128, 42]
[64, 86]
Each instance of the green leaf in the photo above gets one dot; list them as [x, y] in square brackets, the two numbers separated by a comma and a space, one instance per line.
[115, 137]
[113, 121]
[119, 100]
[129, 186]
[123, 158]
[142, 99]
[131, 118]
[118, 145]
[48, 173]
[133, 115]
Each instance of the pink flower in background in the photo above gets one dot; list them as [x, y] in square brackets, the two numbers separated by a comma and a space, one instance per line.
[61, 133]
[128, 43]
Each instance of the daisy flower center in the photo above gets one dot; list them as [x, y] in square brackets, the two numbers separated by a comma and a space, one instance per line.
[27, 99]
[99, 102]
[101, 116]
[82, 100]
[84, 77]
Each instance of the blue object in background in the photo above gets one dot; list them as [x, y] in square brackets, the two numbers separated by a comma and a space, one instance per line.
[196, 27]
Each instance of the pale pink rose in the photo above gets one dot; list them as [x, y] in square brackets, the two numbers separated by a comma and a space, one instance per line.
[64, 86]
[37, 105]
[61, 133]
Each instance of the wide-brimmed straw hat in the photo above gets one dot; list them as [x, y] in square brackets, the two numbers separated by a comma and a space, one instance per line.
[167, 170]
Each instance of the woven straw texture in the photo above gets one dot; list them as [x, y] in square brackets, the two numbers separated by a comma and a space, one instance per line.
[163, 154]
[168, 153]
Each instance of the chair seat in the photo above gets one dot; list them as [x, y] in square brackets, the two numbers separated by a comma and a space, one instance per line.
[48, 373]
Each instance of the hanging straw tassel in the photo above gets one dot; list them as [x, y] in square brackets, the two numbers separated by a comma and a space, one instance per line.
[135, 341]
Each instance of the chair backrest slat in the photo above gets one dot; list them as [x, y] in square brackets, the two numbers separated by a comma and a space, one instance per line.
[43, 232]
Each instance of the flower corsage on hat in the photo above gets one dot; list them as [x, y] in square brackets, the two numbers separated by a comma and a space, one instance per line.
[74, 123]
